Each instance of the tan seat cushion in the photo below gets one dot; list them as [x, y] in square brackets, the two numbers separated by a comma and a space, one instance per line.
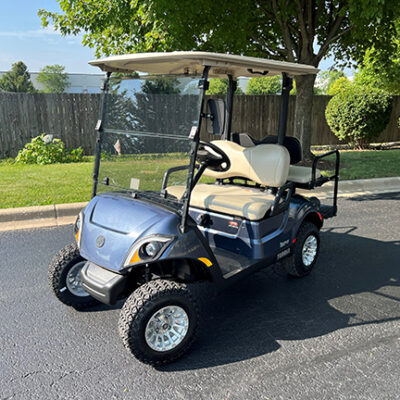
[299, 174]
[266, 164]
[229, 199]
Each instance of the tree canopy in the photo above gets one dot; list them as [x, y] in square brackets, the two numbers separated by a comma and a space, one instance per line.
[302, 31]
[219, 86]
[264, 85]
[339, 85]
[328, 78]
[161, 85]
[381, 74]
[53, 78]
[17, 80]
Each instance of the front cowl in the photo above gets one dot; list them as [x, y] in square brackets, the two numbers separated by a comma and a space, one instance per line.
[113, 222]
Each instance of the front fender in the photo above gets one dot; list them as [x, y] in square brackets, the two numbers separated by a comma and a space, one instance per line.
[192, 245]
[112, 223]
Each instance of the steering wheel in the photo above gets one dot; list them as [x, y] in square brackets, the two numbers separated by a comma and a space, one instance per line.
[213, 157]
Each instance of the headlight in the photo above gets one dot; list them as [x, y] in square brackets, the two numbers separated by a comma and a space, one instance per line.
[78, 229]
[147, 249]
[151, 249]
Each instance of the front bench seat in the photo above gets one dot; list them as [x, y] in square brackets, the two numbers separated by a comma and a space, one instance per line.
[266, 164]
[235, 200]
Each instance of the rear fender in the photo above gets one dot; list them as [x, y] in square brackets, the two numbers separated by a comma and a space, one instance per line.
[307, 213]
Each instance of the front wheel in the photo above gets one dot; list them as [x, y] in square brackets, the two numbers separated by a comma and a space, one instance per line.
[64, 276]
[305, 251]
[158, 322]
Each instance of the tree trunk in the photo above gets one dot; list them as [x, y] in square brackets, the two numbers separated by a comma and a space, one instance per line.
[303, 113]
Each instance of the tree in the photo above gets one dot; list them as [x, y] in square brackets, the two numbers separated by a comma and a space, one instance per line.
[161, 85]
[375, 75]
[17, 80]
[303, 31]
[328, 78]
[152, 104]
[338, 86]
[53, 78]
[380, 69]
[219, 86]
[316, 90]
[264, 85]
[117, 78]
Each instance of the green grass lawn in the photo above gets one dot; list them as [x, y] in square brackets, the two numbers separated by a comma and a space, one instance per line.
[30, 185]
[369, 164]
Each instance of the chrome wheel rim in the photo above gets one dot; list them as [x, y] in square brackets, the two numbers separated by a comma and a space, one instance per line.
[73, 280]
[309, 251]
[166, 328]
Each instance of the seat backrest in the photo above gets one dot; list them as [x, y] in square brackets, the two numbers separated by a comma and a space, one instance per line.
[244, 139]
[266, 164]
[291, 143]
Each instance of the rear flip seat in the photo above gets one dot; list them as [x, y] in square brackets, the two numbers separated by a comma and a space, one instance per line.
[303, 175]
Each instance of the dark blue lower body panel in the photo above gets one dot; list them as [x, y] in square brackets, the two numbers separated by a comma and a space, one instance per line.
[251, 239]
[240, 245]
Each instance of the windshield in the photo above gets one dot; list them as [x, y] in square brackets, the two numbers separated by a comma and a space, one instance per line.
[146, 130]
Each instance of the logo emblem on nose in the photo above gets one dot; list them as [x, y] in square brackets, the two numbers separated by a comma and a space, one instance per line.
[100, 241]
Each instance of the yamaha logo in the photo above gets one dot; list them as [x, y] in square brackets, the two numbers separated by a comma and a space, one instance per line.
[100, 241]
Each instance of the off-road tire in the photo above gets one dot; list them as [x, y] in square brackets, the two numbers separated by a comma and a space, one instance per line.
[62, 262]
[294, 263]
[141, 305]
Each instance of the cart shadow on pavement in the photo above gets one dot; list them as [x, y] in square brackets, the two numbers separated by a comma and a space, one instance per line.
[356, 282]
[378, 196]
[101, 307]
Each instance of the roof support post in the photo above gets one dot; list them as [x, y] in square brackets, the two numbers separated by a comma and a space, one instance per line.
[193, 151]
[99, 129]
[229, 106]
[287, 85]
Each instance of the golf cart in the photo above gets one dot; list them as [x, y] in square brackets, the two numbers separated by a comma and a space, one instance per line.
[231, 210]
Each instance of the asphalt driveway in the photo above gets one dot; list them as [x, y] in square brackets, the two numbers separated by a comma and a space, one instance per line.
[332, 335]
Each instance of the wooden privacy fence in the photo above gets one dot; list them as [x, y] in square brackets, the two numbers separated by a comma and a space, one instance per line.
[72, 118]
[69, 117]
[258, 115]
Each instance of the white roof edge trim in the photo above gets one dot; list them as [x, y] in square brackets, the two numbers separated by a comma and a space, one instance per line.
[193, 62]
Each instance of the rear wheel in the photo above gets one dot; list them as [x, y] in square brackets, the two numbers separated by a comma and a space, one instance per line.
[305, 251]
[158, 322]
[64, 276]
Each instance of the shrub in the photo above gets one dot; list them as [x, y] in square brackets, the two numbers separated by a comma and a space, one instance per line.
[44, 149]
[359, 114]
[7, 161]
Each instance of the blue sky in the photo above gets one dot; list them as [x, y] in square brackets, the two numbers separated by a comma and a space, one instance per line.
[23, 39]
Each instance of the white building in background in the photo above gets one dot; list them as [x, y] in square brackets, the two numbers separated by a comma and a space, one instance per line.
[78, 83]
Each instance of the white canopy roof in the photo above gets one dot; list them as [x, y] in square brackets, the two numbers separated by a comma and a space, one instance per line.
[193, 62]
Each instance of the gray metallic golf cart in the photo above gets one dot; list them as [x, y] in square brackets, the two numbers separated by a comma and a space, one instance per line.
[170, 210]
